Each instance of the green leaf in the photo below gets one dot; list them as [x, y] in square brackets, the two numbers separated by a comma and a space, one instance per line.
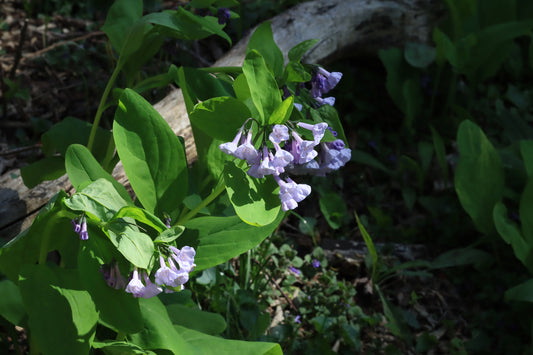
[141, 44]
[71, 131]
[296, 52]
[369, 244]
[170, 234]
[526, 212]
[220, 117]
[183, 24]
[45, 169]
[526, 149]
[254, 200]
[522, 292]
[479, 177]
[440, 151]
[282, 112]
[419, 55]
[82, 167]
[193, 318]
[511, 234]
[445, 49]
[55, 294]
[396, 322]
[49, 231]
[122, 15]
[141, 215]
[99, 199]
[118, 310]
[460, 257]
[491, 47]
[158, 331]
[333, 208]
[262, 84]
[296, 73]
[135, 246]
[218, 239]
[262, 40]
[365, 158]
[198, 85]
[114, 347]
[210, 345]
[242, 91]
[153, 157]
[12, 308]
[412, 99]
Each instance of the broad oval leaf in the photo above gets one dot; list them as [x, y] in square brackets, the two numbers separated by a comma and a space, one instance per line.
[263, 87]
[220, 117]
[479, 177]
[82, 167]
[254, 200]
[218, 239]
[153, 157]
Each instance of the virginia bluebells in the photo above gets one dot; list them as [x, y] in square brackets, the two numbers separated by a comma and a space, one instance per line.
[168, 276]
[288, 151]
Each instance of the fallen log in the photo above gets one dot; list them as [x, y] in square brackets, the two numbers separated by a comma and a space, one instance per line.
[342, 27]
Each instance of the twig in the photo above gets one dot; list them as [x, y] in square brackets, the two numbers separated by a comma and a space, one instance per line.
[61, 43]
[18, 54]
[270, 279]
[4, 93]
[20, 150]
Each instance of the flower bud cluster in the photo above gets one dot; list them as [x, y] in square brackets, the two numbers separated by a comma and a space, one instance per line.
[291, 154]
[80, 226]
[167, 277]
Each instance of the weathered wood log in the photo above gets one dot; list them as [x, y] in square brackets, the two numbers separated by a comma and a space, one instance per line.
[343, 28]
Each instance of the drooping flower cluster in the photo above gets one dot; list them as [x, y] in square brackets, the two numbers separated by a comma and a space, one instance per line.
[287, 152]
[80, 226]
[167, 277]
[113, 277]
[297, 156]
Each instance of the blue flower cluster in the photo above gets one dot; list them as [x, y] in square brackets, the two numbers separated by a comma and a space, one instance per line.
[291, 154]
[168, 275]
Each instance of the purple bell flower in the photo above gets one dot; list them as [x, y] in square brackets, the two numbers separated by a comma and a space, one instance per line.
[231, 147]
[247, 151]
[151, 289]
[290, 193]
[302, 150]
[184, 257]
[135, 286]
[325, 101]
[318, 130]
[164, 275]
[280, 133]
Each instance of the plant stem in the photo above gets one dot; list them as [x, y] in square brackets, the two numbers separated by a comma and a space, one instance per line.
[217, 191]
[121, 335]
[222, 69]
[101, 107]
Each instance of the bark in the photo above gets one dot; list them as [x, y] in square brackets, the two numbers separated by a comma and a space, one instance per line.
[343, 28]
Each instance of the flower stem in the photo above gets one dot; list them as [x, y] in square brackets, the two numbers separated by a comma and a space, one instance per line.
[101, 107]
[217, 191]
